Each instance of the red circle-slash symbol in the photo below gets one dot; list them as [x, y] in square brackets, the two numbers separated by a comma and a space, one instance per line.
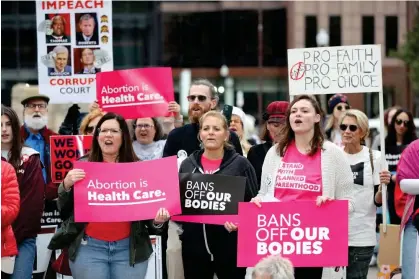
[297, 71]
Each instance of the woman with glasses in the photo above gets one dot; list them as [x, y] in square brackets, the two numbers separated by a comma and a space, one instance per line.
[28, 167]
[117, 250]
[368, 176]
[148, 140]
[401, 132]
[337, 104]
[320, 163]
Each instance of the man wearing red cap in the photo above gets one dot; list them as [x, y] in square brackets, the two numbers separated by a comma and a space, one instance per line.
[274, 119]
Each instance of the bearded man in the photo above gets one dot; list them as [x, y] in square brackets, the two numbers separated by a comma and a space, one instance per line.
[37, 136]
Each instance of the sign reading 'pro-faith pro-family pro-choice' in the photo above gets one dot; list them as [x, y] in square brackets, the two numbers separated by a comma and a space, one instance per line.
[330, 70]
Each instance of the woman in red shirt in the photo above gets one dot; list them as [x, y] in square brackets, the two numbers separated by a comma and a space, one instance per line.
[114, 250]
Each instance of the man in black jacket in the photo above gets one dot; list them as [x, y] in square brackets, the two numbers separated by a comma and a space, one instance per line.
[183, 141]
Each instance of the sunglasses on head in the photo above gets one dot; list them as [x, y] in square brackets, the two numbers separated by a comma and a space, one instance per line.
[404, 122]
[90, 129]
[201, 98]
[340, 107]
[352, 128]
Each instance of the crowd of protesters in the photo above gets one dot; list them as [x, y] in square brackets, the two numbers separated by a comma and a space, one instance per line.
[333, 153]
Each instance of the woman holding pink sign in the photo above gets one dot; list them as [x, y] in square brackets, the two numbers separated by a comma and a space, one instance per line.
[212, 249]
[303, 152]
[106, 250]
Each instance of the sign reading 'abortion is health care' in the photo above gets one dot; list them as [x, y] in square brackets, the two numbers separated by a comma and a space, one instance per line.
[306, 234]
[136, 93]
[126, 191]
[330, 70]
[210, 198]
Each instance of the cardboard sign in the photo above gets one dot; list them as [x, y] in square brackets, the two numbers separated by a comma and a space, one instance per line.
[306, 234]
[330, 70]
[136, 93]
[70, 55]
[126, 191]
[210, 198]
[64, 151]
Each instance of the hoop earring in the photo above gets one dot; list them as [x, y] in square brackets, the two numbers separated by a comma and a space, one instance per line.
[201, 145]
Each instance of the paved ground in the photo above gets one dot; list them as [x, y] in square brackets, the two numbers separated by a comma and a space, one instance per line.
[372, 274]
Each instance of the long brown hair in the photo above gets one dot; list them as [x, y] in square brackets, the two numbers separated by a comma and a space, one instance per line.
[126, 152]
[287, 134]
[17, 139]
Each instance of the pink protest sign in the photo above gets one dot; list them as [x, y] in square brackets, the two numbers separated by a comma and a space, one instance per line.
[126, 191]
[136, 93]
[308, 235]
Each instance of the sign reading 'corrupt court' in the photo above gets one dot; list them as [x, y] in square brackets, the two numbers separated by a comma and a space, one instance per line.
[329, 70]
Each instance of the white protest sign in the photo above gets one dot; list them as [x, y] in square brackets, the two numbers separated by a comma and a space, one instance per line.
[330, 70]
[74, 43]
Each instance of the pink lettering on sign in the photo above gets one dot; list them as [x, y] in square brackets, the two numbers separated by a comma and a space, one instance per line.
[136, 93]
[308, 235]
[126, 191]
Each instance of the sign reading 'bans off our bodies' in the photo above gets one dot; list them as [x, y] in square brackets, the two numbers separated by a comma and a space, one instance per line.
[136, 93]
[64, 151]
[300, 230]
[330, 70]
[74, 44]
[126, 191]
[210, 198]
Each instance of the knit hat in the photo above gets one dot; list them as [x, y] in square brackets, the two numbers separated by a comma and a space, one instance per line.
[335, 100]
[240, 113]
[276, 111]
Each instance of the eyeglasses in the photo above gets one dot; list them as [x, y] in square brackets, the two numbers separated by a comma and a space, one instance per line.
[106, 131]
[201, 98]
[352, 128]
[399, 122]
[34, 106]
[341, 107]
[90, 129]
[145, 126]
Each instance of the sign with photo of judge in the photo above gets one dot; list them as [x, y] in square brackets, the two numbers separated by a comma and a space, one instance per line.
[86, 29]
[74, 43]
[59, 28]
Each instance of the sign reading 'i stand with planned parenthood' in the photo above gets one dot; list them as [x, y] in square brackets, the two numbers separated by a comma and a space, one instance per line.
[330, 70]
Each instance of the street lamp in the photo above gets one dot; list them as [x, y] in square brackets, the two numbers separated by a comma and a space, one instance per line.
[322, 40]
[228, 88]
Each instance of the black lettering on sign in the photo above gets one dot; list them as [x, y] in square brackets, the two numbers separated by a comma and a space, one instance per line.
[358, 172]
[203, 194]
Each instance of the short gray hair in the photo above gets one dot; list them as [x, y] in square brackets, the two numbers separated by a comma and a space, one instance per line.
[86, 17]
[211, 87]
[60, 49]
[361, 119]
[274, 266]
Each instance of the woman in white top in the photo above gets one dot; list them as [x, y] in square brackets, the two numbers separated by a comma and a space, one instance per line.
[321, 163]
[368, 176]
[147, 141]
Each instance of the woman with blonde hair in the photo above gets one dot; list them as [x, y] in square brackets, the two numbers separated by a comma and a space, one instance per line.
[368, 175]
[89, 122]
[320, 162]
[212, 249]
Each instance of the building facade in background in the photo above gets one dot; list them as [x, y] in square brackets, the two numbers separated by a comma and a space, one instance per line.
[204, 35]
